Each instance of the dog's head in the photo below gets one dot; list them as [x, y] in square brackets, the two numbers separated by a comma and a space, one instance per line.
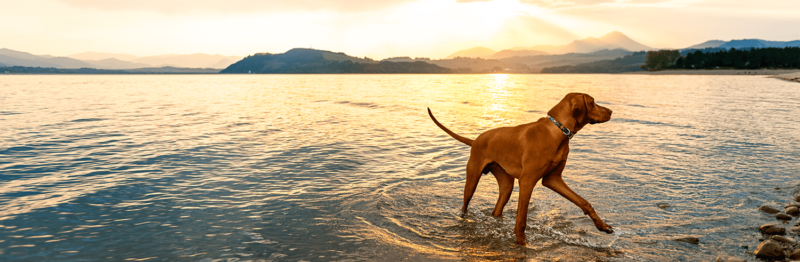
[592, 112]
[582, 108]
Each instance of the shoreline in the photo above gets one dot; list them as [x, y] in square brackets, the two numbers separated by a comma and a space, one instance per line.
[794, 77]
[718, 72]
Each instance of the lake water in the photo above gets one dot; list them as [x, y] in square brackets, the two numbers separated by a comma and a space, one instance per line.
[350, 167]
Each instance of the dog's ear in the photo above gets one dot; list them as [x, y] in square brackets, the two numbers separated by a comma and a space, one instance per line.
[579, 108]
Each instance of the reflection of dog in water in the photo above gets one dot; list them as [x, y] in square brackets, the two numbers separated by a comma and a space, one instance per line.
[531, 152]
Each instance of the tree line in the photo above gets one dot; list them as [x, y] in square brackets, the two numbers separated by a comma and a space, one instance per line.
[753, 58]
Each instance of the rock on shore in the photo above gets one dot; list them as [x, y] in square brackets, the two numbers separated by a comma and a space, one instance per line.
[770, 250]
[769, 209]
[793, 210]
[773, 229]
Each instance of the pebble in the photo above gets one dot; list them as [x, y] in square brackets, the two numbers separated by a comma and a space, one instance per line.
[795, 255]
[773, 229]
[663, 205]
[793, 211]
[690, 240]
[783, 217]
[784, 239]
[768, 209]
[729, 259]
[797, 198]
[769, 249]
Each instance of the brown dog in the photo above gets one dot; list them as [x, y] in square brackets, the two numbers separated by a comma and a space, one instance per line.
[531, 152]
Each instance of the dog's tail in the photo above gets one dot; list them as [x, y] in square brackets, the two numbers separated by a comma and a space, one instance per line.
[454, 135]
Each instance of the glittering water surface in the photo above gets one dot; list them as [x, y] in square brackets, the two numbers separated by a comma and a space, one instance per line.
[350, 167]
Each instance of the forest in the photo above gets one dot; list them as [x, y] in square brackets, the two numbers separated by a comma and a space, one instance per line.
[753, 58]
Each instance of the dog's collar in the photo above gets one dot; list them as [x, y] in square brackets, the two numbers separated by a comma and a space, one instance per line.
[563, 128]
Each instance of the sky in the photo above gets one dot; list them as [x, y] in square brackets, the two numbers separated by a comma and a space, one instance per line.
[377, 29]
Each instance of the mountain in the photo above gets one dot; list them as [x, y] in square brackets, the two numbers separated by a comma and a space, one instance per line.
[707, 44]
[613, 40]
[99, 60]
[16, 58]
[97, 56]
[744, 43]
[197, 60]
[113, 63]
[512, 53]
[628, 63]
[312, 61]
[475, 52]
[758, 43]
[538, 62]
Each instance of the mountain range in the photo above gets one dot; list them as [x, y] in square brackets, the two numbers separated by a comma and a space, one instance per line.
[745, 43]
[98, 60]
[610, 41]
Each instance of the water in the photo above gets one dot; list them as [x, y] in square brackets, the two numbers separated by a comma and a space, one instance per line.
[350, 167]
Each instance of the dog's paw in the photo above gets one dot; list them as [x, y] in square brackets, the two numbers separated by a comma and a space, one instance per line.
[606, 228]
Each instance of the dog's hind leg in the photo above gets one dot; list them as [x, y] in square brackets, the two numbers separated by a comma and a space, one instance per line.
[505, 182]
[474, 168]
[554, 181]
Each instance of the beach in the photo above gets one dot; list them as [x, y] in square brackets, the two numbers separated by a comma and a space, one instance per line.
[789, 77]
[795, 72]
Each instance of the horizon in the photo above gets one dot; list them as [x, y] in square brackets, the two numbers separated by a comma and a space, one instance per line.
[422, 28]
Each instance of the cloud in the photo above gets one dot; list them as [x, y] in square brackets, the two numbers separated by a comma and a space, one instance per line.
[233, 6]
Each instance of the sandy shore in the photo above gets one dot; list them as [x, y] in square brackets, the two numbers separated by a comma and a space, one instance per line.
[789, 77]
[720, 72]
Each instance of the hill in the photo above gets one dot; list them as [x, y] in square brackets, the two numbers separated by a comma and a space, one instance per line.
[312, 61]
[475, 52]
[512, 53]
[717, 45]
[102, 56]
[16, 58]
[708, 44]
[628, 63]
[537, 63]
[98, 60]
[92, 71]
[197, 60]
[758, 43]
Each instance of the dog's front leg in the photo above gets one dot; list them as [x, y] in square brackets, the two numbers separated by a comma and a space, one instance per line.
[554, 181]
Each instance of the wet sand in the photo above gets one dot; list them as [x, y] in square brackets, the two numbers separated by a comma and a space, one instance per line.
[789, 77]
[721, 72]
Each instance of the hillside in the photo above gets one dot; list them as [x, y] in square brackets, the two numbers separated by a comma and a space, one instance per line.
[16, 58]
[92, 71]
[537, 63]
[475, 52]
[512, 53]
[628, 63]
[311, 61]
[98, 60]
[743, 43]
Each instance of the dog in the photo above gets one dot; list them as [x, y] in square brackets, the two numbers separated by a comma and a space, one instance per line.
[531, 152]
